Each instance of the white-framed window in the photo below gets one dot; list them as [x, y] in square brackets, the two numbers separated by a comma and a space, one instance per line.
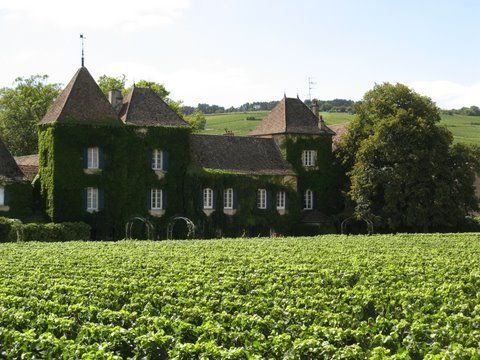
[92, 199]
[308, 200]
[92, 158]
[281, 197]
[262, 198]
[309, 158]
[207, 198]
[157, 159]
[228, 199]
[156, 199]
[2, 196]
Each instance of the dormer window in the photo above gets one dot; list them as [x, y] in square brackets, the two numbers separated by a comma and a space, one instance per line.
[157, 159]
[309, 158]
[93, 158]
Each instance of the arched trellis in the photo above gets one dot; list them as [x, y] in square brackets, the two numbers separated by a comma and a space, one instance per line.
[188, 222]
[148, 226]
[367, 221]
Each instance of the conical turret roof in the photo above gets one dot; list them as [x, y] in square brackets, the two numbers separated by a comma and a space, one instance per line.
[291, 116]
[80, 101]
[9, 170]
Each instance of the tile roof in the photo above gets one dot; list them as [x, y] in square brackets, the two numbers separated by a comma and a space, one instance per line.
[28, 164]
[80, 101]
[291, 116]
[241, 154]
[9, 170]
[143, 106]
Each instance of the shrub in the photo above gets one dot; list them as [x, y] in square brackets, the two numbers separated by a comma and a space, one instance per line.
[5, 228]
[43, 232]
[56, 232]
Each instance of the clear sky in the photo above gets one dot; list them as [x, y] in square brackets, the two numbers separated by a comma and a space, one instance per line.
[229, 52]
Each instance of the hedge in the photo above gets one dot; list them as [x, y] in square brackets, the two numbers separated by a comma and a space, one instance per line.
[50, 232]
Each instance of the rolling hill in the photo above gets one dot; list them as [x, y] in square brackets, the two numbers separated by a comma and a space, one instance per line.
[465, 129]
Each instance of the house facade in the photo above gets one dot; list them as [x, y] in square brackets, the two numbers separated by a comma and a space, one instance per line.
[104, 161]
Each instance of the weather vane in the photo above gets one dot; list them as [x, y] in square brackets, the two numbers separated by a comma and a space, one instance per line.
[83, 58]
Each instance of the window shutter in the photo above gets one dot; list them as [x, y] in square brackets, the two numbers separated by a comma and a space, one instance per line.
[257, 199]
[235, 199]
[314, 200]
[214, 199]
[201, 198]
[150, 158]
[6, 197]
[286, 200]
[149, 199]
[269, 199]
[84, 199]
[85, 159]
[101, 158]
[164, 199]
[165, 160]
[101, 199]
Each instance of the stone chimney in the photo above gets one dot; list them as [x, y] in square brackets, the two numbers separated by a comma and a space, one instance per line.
[321, 123]
[116, 99]
[314, 107]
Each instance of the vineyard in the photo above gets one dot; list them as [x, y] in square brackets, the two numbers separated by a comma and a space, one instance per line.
[403, 296]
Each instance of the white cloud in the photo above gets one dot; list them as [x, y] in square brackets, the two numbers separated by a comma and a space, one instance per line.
[448, 94]
[122, 14]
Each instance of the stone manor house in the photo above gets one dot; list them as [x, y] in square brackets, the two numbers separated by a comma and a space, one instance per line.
[104, 161]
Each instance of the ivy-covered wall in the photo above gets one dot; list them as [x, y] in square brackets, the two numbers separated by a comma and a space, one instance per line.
[248, 219]
[324, 179]
[18, 200]
[126, 177]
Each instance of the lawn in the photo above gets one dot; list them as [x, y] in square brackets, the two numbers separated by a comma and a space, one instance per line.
[403, 296]
[464, 128]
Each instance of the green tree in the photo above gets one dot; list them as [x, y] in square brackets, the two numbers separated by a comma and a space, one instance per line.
[107, 83]
[21, 108]
[197, 120]
[157, 87]
[403, 170]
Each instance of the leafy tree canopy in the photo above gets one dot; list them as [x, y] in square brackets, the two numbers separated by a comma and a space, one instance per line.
[107, 83]
[22, 106]
[403, 170]
[197, 120]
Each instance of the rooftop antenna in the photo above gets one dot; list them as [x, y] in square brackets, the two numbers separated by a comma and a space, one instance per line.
[83, 57]
[311, 86]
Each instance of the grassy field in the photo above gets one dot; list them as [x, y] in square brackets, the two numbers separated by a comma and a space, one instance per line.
[464, 128]
[402, 297]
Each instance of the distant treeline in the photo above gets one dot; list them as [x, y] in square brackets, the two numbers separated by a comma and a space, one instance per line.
[469, 111]
[336, 105]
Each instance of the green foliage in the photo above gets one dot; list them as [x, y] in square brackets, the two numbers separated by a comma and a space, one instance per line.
[21, 108]
[21, 200]
[403, 171]
[197, 120]
[324, 179]
[126, 178]
[107, 83]
[157, 87]
[51, 232]
[330, 297]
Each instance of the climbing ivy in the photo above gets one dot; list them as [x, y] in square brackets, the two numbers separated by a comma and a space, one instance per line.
[126, 179]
